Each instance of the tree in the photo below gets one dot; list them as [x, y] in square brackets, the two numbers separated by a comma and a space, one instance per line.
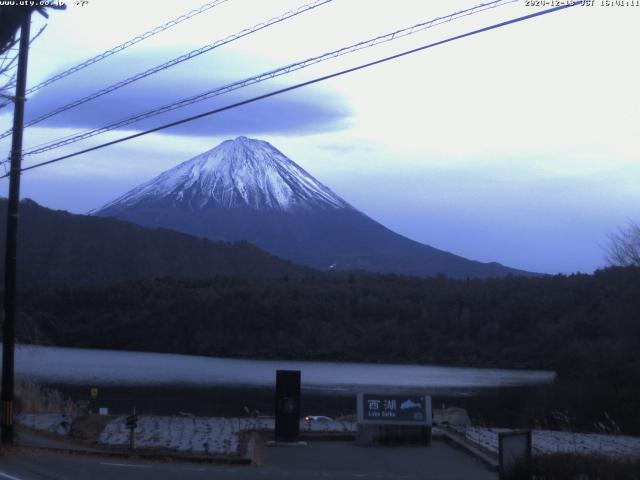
[624, 246]
[11, 17]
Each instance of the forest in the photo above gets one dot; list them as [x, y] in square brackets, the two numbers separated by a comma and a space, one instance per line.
[585, 327]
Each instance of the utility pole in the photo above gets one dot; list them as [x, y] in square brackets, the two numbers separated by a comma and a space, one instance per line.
[9, 326]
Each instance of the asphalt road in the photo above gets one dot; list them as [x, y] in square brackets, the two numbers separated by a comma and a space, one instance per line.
[322, 460]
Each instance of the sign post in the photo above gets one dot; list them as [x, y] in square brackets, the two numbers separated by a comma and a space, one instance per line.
[93, 402]
[132, 424]
[394, 419]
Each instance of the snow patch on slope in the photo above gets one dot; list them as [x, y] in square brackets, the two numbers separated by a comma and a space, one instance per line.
[240, 172]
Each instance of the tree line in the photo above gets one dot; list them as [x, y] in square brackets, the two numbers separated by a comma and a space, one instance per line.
[586, 327]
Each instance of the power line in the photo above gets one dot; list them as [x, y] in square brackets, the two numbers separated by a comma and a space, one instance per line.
[69, 139]
[304, 84]
[127, 44]
[175, 61]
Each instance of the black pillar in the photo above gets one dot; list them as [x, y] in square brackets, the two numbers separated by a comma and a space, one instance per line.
[287, 405]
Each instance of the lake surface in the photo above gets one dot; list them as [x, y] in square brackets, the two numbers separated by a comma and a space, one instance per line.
[77, 366]
[167, 384]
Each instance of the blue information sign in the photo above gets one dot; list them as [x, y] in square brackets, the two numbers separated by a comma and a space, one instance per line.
[394, 409]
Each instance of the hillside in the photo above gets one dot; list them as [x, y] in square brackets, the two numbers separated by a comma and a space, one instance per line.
[57, 247]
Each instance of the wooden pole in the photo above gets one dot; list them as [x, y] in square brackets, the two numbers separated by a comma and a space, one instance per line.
[9, 325]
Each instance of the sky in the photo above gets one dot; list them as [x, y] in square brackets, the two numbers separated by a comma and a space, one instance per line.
[519, 145]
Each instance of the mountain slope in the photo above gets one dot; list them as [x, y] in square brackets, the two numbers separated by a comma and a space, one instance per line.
[239, 173]
[56, 247]
[246, 189]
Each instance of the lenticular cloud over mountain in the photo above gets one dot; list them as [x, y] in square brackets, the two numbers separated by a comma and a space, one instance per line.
[246, 189]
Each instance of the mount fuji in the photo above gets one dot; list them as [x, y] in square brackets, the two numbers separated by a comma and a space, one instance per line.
[246, 189]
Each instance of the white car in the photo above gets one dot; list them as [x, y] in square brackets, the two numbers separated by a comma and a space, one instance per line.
[316, 418]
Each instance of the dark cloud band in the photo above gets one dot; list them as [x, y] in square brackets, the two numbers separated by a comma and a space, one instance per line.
[294, 113]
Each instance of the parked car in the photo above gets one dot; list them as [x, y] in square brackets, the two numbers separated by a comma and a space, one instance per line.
[316, 418]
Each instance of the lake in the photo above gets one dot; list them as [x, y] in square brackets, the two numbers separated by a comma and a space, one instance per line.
[167, 383]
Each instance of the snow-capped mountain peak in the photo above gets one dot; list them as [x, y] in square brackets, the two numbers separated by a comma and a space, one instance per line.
[246, 190]
[237, 173]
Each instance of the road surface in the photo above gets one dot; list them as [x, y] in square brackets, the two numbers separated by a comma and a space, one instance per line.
[321, 460]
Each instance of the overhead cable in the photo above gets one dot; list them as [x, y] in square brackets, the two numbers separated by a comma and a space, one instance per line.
[304, 84]
[127, 44]
[266, 76]
[173, 62]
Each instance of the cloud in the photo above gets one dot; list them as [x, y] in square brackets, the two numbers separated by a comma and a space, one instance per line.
[344, 147]
[292, 113]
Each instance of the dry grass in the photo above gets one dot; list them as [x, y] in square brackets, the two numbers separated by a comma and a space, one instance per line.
[34, 398]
